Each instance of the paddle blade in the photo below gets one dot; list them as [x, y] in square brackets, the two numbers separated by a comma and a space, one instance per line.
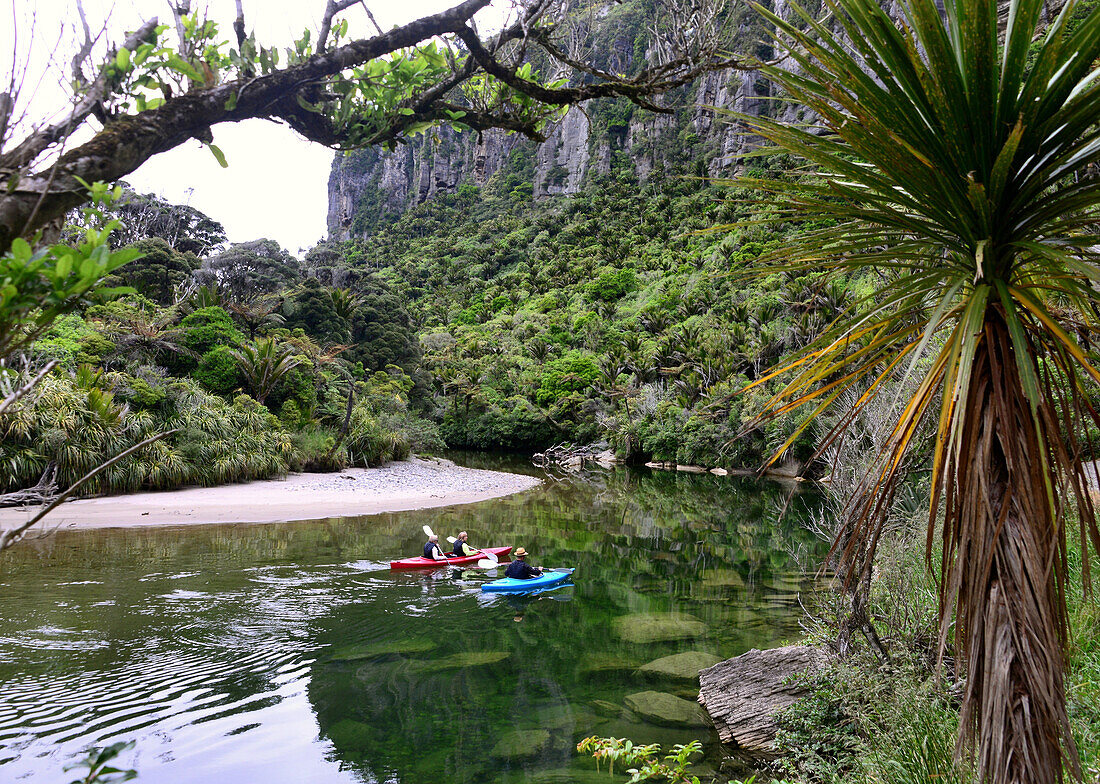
[451, 540]
[485, 563]
[490, 556]
[559, 570]
[428, 531]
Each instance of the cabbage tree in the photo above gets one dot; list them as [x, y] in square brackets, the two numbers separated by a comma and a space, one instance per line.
[955, 161]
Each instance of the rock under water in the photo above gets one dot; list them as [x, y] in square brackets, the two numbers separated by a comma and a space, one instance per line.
[644, 628]
[667, 710]
[680, 666]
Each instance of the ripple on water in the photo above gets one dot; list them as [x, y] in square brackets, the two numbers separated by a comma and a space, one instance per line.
[53, 638]
[151, 692]
[368, 566]
[267, 654]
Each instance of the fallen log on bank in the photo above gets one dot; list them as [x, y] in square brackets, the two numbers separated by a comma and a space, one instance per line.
[742, 694]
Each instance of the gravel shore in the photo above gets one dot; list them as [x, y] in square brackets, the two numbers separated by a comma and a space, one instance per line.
[412, 484]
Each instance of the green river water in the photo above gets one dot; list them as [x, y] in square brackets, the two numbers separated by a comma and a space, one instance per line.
[292, 653]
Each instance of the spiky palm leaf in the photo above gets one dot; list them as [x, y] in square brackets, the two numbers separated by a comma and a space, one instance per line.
[147, 339]
[264, 364]
[256, 314]
[949, 162]
[345, 302]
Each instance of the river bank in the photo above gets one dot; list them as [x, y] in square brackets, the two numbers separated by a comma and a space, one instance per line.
[283, 653]
[395, 487]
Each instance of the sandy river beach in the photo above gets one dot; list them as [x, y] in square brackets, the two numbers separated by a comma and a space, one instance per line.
[413, 484]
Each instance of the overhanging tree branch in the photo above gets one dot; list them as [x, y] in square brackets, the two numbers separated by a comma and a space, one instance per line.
[338, 97]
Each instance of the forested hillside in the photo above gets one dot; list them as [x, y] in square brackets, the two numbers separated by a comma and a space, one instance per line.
[517, 296]
[487, 292]
[629, 312]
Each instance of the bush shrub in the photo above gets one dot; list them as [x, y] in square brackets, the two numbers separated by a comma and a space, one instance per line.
[218, 371]
[573, 372]
[208, 328]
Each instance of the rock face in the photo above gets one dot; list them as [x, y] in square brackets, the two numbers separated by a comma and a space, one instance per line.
[368, 188]
[742, 694]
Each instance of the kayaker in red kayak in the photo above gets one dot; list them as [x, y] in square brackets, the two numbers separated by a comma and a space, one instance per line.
[462, 548]
[519, 569]
[432, 549]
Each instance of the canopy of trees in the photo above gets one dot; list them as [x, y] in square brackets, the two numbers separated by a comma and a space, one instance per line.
[145, 95]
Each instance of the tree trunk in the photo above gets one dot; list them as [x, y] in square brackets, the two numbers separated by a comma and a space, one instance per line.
[1002, 571]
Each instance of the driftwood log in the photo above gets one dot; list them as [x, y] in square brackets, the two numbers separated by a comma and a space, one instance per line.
[42, 493]
[573, 457]
[742, 694]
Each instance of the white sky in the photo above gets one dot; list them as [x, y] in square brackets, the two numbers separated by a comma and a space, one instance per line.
[276, 182]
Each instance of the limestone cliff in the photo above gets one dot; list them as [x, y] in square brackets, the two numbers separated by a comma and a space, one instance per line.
[368, 188]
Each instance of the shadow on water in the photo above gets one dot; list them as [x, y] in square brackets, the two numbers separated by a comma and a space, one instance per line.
[291, 652]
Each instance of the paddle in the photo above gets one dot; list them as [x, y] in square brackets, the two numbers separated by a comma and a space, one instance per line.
[490, 557]
[428, 532]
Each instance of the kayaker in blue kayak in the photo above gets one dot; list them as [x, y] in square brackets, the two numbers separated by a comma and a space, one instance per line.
[462, 546]
[432, 549]
[519, 569]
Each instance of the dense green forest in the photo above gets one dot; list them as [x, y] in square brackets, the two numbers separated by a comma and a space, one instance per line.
[257, 365]
[480, 319]
[627, 313]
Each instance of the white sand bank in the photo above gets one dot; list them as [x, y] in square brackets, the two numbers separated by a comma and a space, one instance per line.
[413, 484]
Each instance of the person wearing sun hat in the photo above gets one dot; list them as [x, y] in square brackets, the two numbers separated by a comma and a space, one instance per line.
[519, 569]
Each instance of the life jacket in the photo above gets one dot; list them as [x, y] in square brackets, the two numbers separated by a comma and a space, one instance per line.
[428, 548]
[458, 549]
[519, 570]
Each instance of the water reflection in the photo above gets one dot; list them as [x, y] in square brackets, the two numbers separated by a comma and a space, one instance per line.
[291, 652]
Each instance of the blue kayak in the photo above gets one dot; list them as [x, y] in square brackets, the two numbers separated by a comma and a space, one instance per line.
[530, 584]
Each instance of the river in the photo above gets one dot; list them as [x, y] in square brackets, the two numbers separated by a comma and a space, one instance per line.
[292, 653]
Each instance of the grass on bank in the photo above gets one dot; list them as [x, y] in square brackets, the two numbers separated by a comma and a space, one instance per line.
[866, 721]
[896, 723]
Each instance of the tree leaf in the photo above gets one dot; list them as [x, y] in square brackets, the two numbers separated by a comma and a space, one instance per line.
[219, 155]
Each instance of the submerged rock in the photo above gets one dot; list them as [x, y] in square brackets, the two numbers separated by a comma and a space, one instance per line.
[679, 666]
[644, 628]
[667, 710]
[380, 649]
[564, 717]
[605, 708]
[521, 744]
[462, 660]
[606, 663]
[348, 734]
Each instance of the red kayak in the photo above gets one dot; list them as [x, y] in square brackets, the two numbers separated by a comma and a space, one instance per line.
[420, 562]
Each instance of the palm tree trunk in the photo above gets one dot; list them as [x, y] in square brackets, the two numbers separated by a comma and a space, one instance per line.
[1002, 571]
